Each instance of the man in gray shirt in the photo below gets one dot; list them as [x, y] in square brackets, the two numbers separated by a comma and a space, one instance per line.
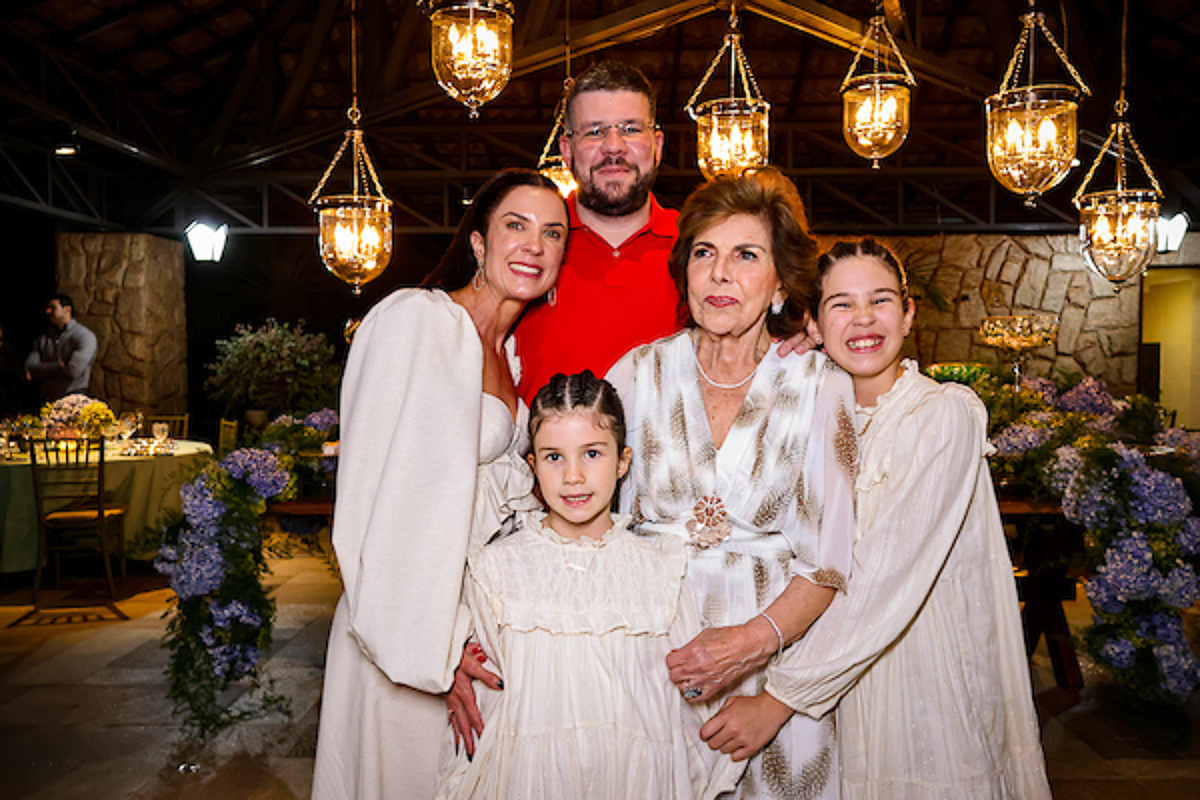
[62, 358]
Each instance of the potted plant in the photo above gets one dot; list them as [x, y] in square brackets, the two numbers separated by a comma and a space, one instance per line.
[274, 367]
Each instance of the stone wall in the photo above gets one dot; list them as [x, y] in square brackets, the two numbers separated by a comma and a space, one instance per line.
[960, 279]
[128, 288]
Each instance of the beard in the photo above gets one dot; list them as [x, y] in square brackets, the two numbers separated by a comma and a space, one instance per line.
[615, 202]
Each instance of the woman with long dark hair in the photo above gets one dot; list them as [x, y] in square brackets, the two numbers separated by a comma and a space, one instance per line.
[431, 464]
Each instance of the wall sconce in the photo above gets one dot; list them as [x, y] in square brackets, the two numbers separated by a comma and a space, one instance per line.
[206, 242]
[1171, 232]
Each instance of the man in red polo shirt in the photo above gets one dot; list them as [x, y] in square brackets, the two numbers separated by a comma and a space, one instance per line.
[614, 291]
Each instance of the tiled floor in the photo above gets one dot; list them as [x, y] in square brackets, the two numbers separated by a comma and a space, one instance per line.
[83, 711]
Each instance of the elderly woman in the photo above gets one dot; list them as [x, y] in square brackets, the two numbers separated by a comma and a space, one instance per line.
[748, 456]
[432, 460]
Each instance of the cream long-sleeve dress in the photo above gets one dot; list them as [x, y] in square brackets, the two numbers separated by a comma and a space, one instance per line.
[579, 630]
[924, 650]
[783, 482]
[429, 468]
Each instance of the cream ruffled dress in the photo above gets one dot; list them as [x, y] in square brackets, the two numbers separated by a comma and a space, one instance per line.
[579, 630]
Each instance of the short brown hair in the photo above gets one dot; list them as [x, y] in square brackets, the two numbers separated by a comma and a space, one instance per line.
[611, 76]
[767, 194]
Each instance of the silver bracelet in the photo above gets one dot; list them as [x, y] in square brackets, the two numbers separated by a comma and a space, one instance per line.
[775, 627]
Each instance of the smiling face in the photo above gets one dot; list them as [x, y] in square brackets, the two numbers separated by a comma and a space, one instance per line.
[863, 318]
[577, 463]
[731, 277]
[526, 238]
[614, 167]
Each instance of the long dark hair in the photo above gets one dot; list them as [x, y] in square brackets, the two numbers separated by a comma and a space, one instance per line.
[458, 264]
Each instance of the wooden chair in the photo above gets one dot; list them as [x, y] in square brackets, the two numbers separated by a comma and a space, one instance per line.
[227, 436]
[73, 512]
[178, 424]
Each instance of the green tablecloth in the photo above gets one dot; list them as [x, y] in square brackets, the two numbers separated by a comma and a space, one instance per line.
[148, 485]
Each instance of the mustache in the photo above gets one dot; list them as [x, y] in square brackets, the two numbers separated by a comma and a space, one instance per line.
[614, 161]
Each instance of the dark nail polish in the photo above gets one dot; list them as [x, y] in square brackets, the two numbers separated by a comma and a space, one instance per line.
[469, 758]
[500, 684]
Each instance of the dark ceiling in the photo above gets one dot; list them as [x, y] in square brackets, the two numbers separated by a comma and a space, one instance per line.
[232, 108]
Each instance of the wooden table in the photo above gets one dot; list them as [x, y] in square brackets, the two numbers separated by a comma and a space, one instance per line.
[148, 485]
[1044, 544]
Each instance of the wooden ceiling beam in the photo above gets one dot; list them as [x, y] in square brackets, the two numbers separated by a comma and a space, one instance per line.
[832, 26]
[310, 56]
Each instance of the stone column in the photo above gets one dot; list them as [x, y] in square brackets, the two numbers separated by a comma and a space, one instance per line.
[128, 288]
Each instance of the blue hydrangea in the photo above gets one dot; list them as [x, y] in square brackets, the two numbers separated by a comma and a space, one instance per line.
[1094, 506]
[1103, 596]
[1063, 468]
[1130, 458]
[1180, 588]
[1129, 568]
[1119, 653]
[1180, 671]
[1186, 442]
[225, 614]
[229, 661]
[166, 560]
[284, 419]
[1089, 397]
[1106, 423]
[259, 468]
[1158, 498]
[1043, 385]
[199, 567]
[324, 420]
[201, 508]
[1020, 438]
[1189, 537]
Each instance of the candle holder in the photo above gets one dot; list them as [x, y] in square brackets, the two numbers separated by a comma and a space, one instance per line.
[1018, 336]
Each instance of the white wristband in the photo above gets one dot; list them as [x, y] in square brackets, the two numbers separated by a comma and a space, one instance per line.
[774, 627]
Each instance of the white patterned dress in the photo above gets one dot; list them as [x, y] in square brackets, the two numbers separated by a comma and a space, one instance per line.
[783, 479]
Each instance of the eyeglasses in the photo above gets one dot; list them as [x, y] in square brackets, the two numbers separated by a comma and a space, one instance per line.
[598, 133]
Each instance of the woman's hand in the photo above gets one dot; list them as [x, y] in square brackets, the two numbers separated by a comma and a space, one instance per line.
[745, 725]
[719, 657]
[460, 700]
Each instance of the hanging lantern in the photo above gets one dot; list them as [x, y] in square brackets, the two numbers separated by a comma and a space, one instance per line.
[876, 105]
[1031, 129]
[355, 229]
[1118, 227]
[732, 133]
[472, 49]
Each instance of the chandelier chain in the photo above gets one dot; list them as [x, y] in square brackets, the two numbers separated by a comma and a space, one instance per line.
[878, 26]
[1025, 43]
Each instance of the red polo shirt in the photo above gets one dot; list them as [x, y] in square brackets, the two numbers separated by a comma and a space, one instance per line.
[610, 300]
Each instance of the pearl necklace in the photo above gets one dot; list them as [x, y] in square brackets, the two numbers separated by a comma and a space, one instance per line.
[713, 383]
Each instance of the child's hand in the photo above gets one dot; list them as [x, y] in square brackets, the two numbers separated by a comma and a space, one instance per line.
[745, 725]
[460, 700]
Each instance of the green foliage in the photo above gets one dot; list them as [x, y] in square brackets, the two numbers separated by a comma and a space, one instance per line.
[274, 367]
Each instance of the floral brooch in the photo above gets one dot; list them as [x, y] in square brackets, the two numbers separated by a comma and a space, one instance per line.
[709, 525]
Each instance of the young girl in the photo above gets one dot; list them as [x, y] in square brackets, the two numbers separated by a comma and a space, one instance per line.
[924, 650]
[577, 614]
